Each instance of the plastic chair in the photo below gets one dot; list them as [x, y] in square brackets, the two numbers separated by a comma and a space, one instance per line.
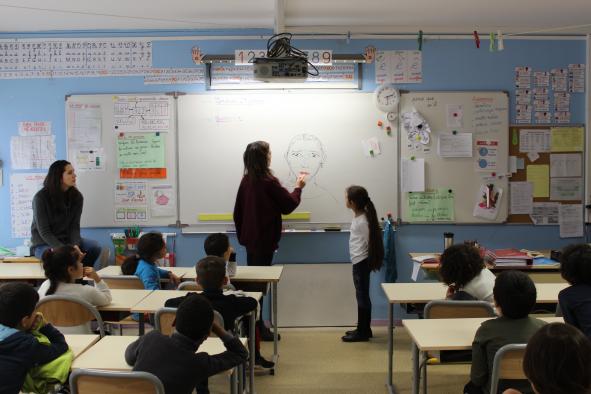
[68, 311]
[194, 286]
[451, 309]
[123, 282]
[507, 364]
[93, 381]
[164, 319]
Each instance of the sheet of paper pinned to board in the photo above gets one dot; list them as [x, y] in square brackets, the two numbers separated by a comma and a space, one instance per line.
[521, 198]
[454, 145]
[534, 140]
[413, 175]
[488, 200]
[545, 213]
[570, 217]
[565, 165]
[431, 206]
[567, 139]
[566, 189]
[141, 150]
[162, 200]
[539, 176]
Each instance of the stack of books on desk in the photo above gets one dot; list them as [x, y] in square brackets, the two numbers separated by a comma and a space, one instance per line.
[511, 258]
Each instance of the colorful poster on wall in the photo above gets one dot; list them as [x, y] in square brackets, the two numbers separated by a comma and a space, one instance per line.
[162, 200]
[431, 206]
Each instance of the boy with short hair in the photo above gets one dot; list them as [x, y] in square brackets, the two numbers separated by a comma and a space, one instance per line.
[211, 277]
[19, 349]
[575, 300]
[515, 296]
[218, 244]
[173, 359]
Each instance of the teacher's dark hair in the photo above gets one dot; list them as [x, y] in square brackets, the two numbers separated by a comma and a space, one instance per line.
[53, 185]
[375, 246]
[256, 160]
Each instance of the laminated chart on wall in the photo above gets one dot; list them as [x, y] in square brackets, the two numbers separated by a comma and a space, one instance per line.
[35, 152]
[399, 66]
[139, 114]
[74, 57]
[23, 187]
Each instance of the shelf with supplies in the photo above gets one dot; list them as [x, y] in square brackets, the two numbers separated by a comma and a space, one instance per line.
[124, 247]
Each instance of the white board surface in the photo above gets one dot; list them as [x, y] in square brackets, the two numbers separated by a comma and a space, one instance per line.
[98, 187]
[486, 116]
[321, 132]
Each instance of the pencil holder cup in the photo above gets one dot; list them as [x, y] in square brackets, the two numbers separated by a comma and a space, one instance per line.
[131, 243]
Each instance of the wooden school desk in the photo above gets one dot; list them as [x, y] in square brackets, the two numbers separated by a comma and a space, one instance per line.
[443, 334]
[16, 259]
[271, 274]
[109, 353]
[422, 293]
[79, 343]
[158, 298]
[21, 271]
[537, 273]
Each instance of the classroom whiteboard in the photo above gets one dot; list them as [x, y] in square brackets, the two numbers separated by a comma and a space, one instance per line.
[321, 132]
[115, 117]
[483, 114]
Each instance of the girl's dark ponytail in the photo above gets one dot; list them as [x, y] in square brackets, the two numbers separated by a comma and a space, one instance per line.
[148, 249]
[55, 264]
[375, 248]
[375, 245]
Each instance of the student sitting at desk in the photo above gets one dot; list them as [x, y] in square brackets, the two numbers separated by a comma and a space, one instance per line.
[211, 277]
[173, 359]
[558, 361]
[63, 266]
[514, 296]
[150, 248]
[575, 301]
[218, 244]
[19, 349]
[462, 269]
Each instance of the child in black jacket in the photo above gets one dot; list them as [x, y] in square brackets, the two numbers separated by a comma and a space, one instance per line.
[19, 349]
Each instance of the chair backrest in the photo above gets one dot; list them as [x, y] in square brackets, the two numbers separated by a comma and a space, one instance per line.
[68, 311]
[164, 319]
[122, 281]
[189, 286]
[92, 381]
[104, 257]
[507, 364]
[448, 309]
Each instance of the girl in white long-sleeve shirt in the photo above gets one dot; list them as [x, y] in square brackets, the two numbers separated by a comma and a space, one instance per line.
[63, 266]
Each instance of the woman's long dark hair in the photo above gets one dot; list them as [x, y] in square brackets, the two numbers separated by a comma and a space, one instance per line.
[56, 263]
[148, 247]
[53, 185]
[256, 160]
[375, 248]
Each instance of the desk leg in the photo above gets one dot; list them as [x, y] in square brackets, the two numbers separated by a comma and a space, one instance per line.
[274, 321]
[251, 350]
[415, 369]
[390, 347]
[233, 379]
[142, 327]
[424, 373]
[241, 378]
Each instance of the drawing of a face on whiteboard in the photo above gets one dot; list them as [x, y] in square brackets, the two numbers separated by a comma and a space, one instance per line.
[306, 154]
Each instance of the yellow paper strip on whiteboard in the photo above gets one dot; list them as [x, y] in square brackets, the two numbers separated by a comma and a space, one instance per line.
[214, 217]
[297, 216]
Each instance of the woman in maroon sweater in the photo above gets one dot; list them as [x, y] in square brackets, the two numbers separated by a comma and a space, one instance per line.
[260, 202]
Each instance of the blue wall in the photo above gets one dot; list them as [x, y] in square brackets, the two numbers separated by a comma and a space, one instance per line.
[447, 65]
